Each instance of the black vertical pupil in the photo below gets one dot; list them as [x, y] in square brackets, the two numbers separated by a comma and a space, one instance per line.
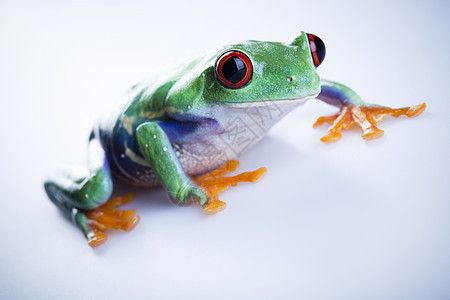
[320, 48]
[234, 69]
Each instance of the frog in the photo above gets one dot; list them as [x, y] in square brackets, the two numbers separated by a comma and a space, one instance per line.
[185, 130]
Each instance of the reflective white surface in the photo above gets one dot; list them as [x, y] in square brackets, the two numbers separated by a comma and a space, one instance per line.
[352, 220]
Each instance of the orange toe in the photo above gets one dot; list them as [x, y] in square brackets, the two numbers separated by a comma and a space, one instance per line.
[97, 238]
[372, 133]
[214, 207]
[331, 137]
[416, 110]
[132, 223]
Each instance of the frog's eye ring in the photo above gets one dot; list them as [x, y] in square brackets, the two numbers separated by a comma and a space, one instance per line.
[234, 69]
[317, 49]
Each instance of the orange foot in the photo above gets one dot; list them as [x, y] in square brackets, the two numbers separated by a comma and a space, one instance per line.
[107, 216]
[366, 117]
[213, 183]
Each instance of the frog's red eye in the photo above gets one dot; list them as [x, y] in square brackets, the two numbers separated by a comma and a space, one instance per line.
[317, 49]
[234, 69]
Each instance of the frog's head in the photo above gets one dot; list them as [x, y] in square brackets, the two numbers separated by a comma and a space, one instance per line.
[251, 72]
[256, 71]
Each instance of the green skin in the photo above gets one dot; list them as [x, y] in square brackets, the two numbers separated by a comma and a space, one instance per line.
[192, 95]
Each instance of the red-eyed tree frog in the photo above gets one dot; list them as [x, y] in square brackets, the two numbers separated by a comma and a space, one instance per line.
[184, 130]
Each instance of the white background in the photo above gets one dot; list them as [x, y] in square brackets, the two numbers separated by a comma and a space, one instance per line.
[352, 220]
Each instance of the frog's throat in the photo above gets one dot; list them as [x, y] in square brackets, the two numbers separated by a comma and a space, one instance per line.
[244, 104]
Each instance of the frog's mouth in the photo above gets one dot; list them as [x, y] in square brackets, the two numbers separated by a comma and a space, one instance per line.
[268, 102]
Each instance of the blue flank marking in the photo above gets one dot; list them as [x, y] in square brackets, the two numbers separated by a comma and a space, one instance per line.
[177, 132]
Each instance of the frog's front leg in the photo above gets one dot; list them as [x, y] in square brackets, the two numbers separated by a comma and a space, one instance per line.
[158, 151]
[353, 110]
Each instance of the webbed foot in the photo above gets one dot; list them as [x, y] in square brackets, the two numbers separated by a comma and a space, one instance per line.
[107, 216]
[366, 117]
[214, 182]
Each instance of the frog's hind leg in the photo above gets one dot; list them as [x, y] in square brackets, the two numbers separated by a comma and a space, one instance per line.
[83, 197]
[214, 182]
[74, 194]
